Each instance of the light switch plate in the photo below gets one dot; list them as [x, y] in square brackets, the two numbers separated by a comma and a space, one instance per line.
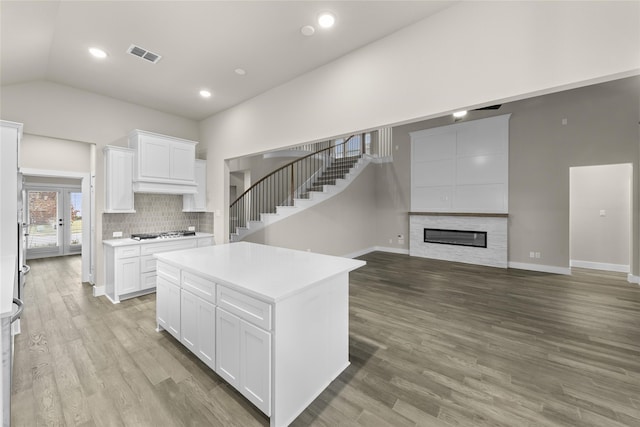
[192, 228]
[117, 234]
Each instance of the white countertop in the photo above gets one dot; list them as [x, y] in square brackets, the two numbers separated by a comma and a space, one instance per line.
[127, 242]
[8, 271]
[267, 272]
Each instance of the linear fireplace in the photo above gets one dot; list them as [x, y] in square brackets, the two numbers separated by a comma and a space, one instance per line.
[476, 239]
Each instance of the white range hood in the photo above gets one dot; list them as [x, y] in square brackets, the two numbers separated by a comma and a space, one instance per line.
[163, 164]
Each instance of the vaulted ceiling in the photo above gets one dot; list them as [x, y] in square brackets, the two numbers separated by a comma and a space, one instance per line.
[202, 43]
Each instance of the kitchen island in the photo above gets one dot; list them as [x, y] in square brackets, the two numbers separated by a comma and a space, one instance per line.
[272, 322]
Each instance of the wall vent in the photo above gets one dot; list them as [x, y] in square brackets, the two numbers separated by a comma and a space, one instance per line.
[144, 54]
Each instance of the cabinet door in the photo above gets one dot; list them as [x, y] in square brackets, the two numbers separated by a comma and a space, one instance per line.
[162, 302]
[173, 309]
[119, 180]
[255, 366]
[154, 159]
[206, 339]
[127, 278]
[228, 347]
[197, 202]
[189, 320]
[182, 161]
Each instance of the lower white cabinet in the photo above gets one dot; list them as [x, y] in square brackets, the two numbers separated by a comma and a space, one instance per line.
[198, 332]
[228, 349]
[130, 269]
[243, 354]
[255, 365]
[168, 306]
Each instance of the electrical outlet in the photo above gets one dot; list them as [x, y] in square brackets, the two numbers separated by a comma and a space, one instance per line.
[390, 240]
[532, 254]
[537, 254]
[191, 228]
[117, 234]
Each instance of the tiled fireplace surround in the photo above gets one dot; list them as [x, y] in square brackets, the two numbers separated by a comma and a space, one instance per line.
[155, 213]
[494, 255]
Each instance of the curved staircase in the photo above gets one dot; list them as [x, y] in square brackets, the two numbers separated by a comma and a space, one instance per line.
[297, 186]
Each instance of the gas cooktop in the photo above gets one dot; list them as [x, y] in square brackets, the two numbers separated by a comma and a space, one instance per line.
[163, 235]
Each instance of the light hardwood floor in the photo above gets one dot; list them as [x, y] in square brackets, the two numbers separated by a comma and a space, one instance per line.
[432, 343]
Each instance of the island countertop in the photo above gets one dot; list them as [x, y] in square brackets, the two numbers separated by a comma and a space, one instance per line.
[266, 272]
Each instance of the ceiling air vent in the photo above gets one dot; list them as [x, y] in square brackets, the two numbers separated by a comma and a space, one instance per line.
[143, 53]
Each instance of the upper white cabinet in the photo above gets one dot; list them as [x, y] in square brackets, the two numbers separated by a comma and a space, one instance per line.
[118, 166]
[197, 202]
[163, 164]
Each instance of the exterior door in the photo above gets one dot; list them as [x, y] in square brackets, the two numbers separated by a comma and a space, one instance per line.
[54, 218]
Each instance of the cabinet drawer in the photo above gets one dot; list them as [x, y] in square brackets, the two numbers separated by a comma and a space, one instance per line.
[167, 246]
[169, 272]
[148, 280]
[204, 288]
[147, 264]
[248, 308]
[127, 252]
[207, 241]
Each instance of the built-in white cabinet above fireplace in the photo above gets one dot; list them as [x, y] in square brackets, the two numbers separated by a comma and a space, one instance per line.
[462, 167]
[163, 164]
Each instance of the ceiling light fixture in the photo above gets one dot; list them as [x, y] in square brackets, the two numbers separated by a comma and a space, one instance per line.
[307, 30]
[326, 20]
[460, 114]
[240, 71]
[97, 53]
[205, 93]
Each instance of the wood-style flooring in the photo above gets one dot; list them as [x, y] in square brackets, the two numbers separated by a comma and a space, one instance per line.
[432, 343]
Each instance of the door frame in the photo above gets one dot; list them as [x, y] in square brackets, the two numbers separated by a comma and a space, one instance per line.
[88, 209]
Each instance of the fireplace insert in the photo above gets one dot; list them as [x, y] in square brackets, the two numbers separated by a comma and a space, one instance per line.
[476, 239]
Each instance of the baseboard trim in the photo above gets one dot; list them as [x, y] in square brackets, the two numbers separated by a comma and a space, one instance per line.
[619, 268]
[540, 267]
[356, 254]
[98, 291]
[633, 279]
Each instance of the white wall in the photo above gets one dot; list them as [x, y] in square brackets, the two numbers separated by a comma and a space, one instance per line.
[40, 152]
[470, 54]
[64, 113]
[600, 209]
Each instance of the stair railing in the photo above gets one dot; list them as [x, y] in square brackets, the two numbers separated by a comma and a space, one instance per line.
[293, 180]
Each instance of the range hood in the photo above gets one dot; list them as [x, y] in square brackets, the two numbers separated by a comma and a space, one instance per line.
[163, 164]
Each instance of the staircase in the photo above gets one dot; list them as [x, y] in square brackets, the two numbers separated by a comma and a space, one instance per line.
[296, 186]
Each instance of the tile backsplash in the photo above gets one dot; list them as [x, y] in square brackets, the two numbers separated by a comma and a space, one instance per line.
[155, 213]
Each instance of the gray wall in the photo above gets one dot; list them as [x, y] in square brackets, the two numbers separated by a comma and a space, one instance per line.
[602, 128]
[342, 225]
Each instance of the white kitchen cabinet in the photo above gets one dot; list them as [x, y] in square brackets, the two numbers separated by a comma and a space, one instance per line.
[118, 166]
[255, 366]
[197, 202]
[163, 164]
[130, 266]
[168, 306]
[282, 319]
[198, 333]
[126, 270]
[243, 358]
[228, 347]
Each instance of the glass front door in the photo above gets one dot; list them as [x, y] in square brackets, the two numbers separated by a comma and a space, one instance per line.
[55, 222]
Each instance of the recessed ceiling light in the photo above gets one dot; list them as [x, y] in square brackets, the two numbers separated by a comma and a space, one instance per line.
[459, 114]
[98, 53]
[240, 71]
[326, 20]
[307, 30]
[205, 93]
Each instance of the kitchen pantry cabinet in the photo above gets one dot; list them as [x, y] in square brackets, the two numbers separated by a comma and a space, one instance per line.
[197, 202]
[163, 164]
[130, 266]
[118, 166]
